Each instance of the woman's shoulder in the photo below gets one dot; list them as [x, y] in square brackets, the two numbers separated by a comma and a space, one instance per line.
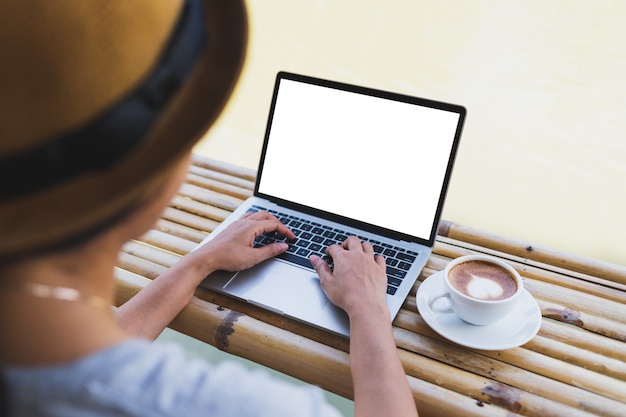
[141, 378]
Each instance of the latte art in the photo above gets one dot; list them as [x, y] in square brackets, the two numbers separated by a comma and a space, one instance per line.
[482, 280]
[483, 288]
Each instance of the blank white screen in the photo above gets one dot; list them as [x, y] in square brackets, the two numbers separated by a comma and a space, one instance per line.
[371, 159]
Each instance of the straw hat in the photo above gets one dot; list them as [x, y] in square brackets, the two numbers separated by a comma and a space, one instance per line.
[98, 101]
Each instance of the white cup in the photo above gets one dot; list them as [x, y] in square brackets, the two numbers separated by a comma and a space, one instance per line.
[485, 289]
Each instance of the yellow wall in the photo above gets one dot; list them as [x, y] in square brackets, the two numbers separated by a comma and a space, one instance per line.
[542, 156]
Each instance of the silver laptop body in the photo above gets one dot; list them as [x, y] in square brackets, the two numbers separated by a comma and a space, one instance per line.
[345, 160]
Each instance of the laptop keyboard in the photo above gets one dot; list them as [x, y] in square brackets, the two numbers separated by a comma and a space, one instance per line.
[313, 238]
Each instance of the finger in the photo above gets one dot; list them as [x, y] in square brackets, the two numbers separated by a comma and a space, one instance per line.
[285, 231]
[270, 224]
[247, 214]
[334, 250]
[271, 250]
[321, 267]
[274, 225]
[380, 260]
[368, 248]
[279, 227]
[352, 243]
[261, 215]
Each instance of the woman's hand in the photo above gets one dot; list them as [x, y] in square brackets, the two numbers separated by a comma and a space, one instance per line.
[233, 249]
[358, 278]
[358, 284]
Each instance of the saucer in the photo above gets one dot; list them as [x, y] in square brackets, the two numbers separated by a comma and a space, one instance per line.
[513, 330]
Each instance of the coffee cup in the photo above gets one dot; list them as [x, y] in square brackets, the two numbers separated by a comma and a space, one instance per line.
[479, 289]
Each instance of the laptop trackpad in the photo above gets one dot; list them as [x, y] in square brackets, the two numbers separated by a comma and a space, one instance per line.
[282, 287]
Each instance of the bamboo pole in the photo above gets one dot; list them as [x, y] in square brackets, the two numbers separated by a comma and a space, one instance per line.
[139, 266]
[180, 230]
[223, 167]
[593, 267]
[491, 365]
[210, 197]
[263, 345]
[599, 325]
[189, 219]
[584, 358]
[435, 401]
[224, 188]
[547, 273]
[484, 391]
[151, 253]
[299, 357]
[221, 177]
[196, 207]
[577, 301]
[167, 242]
[583, 339]
[450, 248]
[559, 336]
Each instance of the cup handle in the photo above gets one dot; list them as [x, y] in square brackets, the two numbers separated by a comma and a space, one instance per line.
[435, 297]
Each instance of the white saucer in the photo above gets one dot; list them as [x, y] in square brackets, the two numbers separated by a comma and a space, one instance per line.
[517, 328]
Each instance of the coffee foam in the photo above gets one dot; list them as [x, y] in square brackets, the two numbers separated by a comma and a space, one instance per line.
[483, 280]
[483, 288]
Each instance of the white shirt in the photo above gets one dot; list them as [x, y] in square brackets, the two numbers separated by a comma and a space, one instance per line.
[139, 378]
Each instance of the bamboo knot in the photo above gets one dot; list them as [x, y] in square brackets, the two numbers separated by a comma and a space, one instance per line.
[444, 228]
[225, 329]
[566, 315]
[503, 396]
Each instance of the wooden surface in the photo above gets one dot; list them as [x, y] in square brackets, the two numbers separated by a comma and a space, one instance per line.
[575, 366]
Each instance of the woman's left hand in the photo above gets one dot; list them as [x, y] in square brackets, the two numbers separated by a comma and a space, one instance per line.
[233, 249]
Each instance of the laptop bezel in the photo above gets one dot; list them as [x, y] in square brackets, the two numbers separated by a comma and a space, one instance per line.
[391, 234]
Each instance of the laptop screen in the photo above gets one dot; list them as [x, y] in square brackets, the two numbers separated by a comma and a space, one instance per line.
[362, 155]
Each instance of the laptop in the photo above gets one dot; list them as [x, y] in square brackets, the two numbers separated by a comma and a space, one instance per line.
[341, 160]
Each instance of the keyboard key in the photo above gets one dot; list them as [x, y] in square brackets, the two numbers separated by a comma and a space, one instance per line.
[302, 243]
[394, 281]
[303, 252]
[315, 247]
[391, 261]
[298, 260]
[395, 272]
[340, 237]
[405, 257]
[405, 266]
[295, 224]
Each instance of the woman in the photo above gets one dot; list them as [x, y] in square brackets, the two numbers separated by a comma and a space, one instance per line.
[101, 105]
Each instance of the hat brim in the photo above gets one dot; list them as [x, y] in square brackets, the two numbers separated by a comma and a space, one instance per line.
[77, 207]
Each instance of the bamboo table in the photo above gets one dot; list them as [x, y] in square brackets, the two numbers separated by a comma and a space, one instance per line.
[575, 366]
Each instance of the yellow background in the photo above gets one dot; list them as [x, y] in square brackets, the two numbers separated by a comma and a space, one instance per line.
[542, 156]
